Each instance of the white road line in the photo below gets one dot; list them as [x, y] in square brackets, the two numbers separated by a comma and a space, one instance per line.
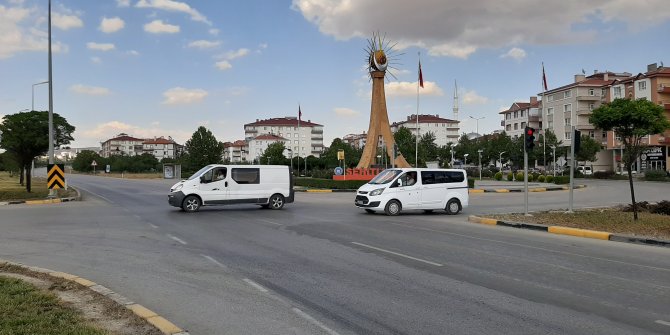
[177, 239]
[397, 254]
[152, 225]
[255, 285]
[211, 259]
[661, 322]
[313, 321]
[272, 222]
[97, 195]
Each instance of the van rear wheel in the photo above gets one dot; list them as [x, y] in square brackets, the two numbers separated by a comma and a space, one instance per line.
[276, 201]
[393, 208]
[453, 207]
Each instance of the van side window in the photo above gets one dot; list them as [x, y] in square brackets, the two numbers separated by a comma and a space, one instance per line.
[441, 177]
[428, 177]
[246, 175]
[455, 176]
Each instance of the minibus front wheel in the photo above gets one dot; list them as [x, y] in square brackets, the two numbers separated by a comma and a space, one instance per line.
[393, 207]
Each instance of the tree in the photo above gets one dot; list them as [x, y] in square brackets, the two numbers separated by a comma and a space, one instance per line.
[25, 136]
[552, 141]
[82, 162]
[631, 120]
[428, 150]
[406, 144]
[203, 149]
[588, 149]
[351, 154]
[274, 154]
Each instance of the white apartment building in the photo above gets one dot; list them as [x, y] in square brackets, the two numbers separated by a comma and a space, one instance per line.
[258, 145]
[356, 140]
[303, 138]
[235, 152]
[520, 115]
[445, 130]
[122, 144]
[162, 148]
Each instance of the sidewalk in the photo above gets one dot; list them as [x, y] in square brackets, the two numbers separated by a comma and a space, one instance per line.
[503, 186]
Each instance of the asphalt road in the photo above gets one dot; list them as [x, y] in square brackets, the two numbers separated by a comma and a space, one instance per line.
[321, 266]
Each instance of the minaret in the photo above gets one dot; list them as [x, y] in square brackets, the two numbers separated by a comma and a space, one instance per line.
[455, 101]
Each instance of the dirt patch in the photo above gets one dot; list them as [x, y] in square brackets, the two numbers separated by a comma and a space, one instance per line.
[94, 307]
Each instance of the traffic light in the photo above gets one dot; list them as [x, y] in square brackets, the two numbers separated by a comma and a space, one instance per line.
[578, 140]
[529, 137]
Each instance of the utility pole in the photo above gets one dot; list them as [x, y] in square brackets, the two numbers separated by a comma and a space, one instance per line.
[572, 168]
[52, 192]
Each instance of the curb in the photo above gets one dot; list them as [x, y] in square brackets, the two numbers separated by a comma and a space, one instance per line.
[560, 230]
[162, 324]
[312, 190]
[520, 190]
[44, 201]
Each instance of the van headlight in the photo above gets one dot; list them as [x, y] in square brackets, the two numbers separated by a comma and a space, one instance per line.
[177, 188]
[376, 192]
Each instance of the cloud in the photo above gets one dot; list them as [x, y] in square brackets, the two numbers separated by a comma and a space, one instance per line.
[65, 22]
[230, 55]
[90, 90]
[214, 32]
[472, 98]
[173, 6]
[458, 29]
[96, 60]
[180, 96]
[132, 53]
[158, 27]
[515, 53]
[238, 90]
[345, 112]
[408, 89]
[123, 3]
[107, 130]
[111, 25]
[100, 46]
[204, 44]
[223, 65]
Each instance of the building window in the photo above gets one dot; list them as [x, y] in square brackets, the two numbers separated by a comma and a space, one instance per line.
[521, 113]
[592, 92]
[550, 98]
[550, 110]
[508, 127]
[523, 125]
[516, 115]
[617, 92]
[603, 92]
[568, 135]
[296, 142]
[642, 85]
[508, 116]
[550, 124]
[516, 126]
[604, 134]
[592, 106]
[567, 121]
[287, 135]
[567, 108]
[296, 135]
[567, 94]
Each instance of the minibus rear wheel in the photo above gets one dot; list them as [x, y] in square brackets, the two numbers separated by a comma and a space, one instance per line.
[277, 201]
[393, 207]
[453, 207]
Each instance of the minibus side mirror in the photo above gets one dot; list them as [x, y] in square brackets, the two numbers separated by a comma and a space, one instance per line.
[399, 182]
[202, 180]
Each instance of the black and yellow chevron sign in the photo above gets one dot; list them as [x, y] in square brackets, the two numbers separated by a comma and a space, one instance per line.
[55, 176]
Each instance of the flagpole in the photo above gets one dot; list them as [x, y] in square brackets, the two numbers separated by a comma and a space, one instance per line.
[299, 144]
[416, 141]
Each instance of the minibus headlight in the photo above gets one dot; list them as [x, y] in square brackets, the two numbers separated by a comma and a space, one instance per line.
[377, 192]
[177, 188]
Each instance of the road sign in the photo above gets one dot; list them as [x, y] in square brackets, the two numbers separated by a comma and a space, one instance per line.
[339, 171]
[94, 163]
[55, 176]
[340, 154]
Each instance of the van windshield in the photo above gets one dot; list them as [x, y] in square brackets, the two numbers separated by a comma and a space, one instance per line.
[385, 177]
[197, 174]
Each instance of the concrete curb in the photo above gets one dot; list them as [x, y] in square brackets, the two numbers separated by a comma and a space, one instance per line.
[162, 324]
[560, 230]
[44, 201]
[471, 191]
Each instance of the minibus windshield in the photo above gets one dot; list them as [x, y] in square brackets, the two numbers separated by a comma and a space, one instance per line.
[385, 177]
[197, 174]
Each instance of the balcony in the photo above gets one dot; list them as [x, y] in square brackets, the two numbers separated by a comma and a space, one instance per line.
[584, 111]
[534, 118]
[664, 88]
[317, 131]
[317, 138]
[251, 130]
[585, 127]
[588, 98]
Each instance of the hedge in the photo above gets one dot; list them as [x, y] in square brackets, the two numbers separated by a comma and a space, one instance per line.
[510, 176]
[471, 183]
[498, 176]
[549, 179]
[655, 175]
[559, 180]
[329, 183]
[540, 178]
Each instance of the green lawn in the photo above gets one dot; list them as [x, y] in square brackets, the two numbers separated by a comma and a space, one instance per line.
[25, 310]
[10, 189]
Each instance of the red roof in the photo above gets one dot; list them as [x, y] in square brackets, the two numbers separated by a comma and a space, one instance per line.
[239, 143]
[426, 118]
[283, 121]
[517, 106]
[587, 82]
[159, 140]
[269, 137]
[125, 138]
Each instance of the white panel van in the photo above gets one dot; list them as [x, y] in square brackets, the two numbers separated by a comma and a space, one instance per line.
[396, 190]
[270, 186]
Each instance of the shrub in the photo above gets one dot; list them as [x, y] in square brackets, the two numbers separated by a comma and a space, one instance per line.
[655, 175]
[535, 175]
[549, 179]
[519, 176]
[498, 176]
[662, 207]
[540, 178]
[510, 176]
[603, 174]
[531, 177]
[561, 180]
[471, 183]
[329, 183]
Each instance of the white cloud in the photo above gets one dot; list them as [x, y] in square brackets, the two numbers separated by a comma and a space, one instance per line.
[173, 6]
[100, 46]
[132, 53]
[238, 90]
[345, 112]
[472, 98]
[111, 25]
[96, 60]
[65, 22]
[407, 89]
[180, 95]
[452, 28]
[223, 65]
[214, 32]
[158, 27]
[123, 3]
[90, 90]
[515, 53]
[230, 55]
[204, 44]
[107, 130]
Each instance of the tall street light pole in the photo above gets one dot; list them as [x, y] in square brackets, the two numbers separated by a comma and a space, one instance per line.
[33, 100]
[477, 119]
[465, 159]
[52, 194]
[501, 163]
[480, 163]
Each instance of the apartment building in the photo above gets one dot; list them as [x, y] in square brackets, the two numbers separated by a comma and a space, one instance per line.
[303, 138]
[445, 130]
[122, 144]
[356, 140]
[260, 143]
[161, 147]
[235, 152]
[520, 115]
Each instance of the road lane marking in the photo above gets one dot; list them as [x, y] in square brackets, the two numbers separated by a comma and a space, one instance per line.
[177, 239]
[255, 285]
[211, 259]
[397, 254]
[97, 195]
[661, 322]
[152, 225]
[313, 321]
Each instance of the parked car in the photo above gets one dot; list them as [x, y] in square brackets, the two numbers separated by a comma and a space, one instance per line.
[585, 170]
[270, 186]
[396, 190]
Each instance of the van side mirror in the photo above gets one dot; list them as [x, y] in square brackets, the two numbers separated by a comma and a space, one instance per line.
[399, 182]
[202, 180]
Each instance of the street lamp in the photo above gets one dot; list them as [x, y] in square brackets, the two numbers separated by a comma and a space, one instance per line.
[480, 163]
[501, 163]
[465, 159]
[40, 83]
[477, 119]
[553, 148]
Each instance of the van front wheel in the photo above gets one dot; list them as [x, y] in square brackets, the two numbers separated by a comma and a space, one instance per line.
[393, 208]
[277, 201]
[191, 204]
[453, 207]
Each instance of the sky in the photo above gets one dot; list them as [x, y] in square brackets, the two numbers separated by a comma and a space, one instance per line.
[165, 67]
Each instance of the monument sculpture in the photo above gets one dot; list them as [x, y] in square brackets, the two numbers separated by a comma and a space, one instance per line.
[377, 53]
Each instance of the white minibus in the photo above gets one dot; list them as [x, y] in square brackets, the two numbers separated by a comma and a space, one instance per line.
[396, 190]
[270, 186]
